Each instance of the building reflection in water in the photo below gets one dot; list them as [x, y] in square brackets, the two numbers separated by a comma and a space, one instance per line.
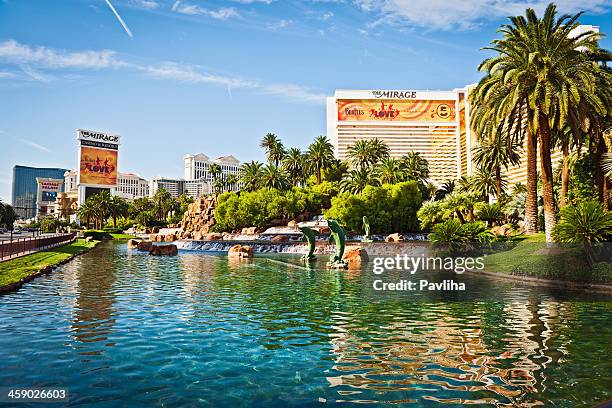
[410, 354]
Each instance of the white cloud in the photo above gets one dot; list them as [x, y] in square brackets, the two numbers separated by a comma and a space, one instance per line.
[13, 52]
[145, 4]
[29, 59]
[35, 145]
[279, 25]
[327, 15]
[223, 13]
[5, 75]
[449, 15]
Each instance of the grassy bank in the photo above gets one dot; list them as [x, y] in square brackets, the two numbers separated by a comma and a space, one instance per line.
[101, 235]
[531, 257]
[11, 272]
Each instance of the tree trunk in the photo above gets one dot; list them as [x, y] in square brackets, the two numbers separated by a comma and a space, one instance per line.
[547, 177]
[498, 182]
[599, 173]
[460, 216]
[114, 222]
[318, 175]
[564, 175]
[531, 200]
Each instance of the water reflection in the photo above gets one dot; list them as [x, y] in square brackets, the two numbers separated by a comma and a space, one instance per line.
[204, 330]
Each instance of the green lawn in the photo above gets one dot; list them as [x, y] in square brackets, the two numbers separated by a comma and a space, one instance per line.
[14, 270]
[123, 237]
[530, 257]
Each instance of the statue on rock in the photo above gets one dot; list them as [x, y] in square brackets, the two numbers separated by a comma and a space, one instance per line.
[338, 237]
[309, 235]
[366, 228]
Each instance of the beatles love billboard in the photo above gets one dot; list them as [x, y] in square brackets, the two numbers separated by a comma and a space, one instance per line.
[400, 110]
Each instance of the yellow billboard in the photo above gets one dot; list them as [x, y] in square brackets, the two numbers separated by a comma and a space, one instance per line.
[98, 166]
[410, 110]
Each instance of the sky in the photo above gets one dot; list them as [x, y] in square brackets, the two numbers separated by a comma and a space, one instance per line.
[189, 76]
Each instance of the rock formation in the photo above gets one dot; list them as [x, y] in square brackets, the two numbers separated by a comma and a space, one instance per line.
[394, 238]
[199, 218]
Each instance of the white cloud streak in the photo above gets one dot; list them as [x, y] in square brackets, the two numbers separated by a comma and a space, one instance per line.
[35, 145]
[223, 13]
[31, 57]
[451, 15]
[125, 27]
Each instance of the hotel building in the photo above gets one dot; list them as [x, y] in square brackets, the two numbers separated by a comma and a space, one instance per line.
[198, 180]
[26, 188]
[432, 123]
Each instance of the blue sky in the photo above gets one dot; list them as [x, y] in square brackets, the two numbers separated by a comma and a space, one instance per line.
[194, 76]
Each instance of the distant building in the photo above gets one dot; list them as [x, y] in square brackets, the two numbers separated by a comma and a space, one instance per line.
[198, 179]
[25, 188]
[130, 186]
[174, 186]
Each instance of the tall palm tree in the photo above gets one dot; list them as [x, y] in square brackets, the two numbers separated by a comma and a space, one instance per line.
[293, 163]
[162, 203]
[250, 175]
[87, 212]
[320, 155]
[389, 171]
[273, 147]
[539, 62]
[497, 151]
[275, 177]
[215, 172]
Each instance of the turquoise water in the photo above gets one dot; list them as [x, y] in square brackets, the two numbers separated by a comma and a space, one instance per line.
[127, 329]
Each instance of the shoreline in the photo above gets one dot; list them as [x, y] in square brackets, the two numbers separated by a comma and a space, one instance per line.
[533, 281]
[47, 269]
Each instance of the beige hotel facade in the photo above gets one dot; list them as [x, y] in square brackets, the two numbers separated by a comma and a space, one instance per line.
[435, 124]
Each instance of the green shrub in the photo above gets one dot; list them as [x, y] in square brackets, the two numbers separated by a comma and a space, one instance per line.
[455, 237]
[389, 208]
[259, 207]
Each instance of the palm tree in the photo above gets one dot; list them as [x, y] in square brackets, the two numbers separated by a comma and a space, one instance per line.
[445, 189]
[275, 177]
[389, 171]
[87, 211]
[365, 153]
[356, 180]
[415, 167]
[162, 203]
[586, 223]
[250, 175]
[538, 62]
[232, 181]
[497, 151]
[320, 155]
[293, 163]
[118, 208]
[273, 147]
[484, 183]
[215, 171]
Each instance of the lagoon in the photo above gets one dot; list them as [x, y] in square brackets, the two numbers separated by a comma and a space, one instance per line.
[121, 328]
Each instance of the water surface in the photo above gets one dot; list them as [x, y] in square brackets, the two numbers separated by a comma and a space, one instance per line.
[125, 329]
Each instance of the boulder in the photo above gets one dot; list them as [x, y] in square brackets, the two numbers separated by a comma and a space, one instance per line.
[248, 231]
[324, 230]
[394, 238]
[355, 258]
[292, 224]
[155, 230]
[170, 238]
[152, 237]
[279, 238]
[133, 243]
[169, 250]
[240, 251]
[213, 236]
[144, 246]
